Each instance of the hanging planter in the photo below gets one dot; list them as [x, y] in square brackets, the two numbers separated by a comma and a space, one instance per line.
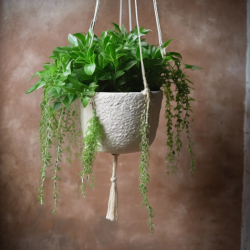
[120, 81]
[120, 117]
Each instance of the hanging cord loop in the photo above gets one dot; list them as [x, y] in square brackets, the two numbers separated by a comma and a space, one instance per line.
[92, 25]
[112, 213]
[146, 91]
[129, 15]
[120, 17]
[163, 51]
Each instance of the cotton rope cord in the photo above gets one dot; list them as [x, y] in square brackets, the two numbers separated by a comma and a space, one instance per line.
[146, 91]
[163, 52]
[120, 18]
[112, 213]
[92, 101]
[92, 25]
[129, 15]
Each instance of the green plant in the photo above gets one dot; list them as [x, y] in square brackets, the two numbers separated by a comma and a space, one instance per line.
[143, 167]
[110, 63]
[91, 141]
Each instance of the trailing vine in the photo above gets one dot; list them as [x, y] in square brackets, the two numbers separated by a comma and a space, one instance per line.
[68, 125]
[59, 137]
[109, 63]
[91, 143]
[143, 167]
[46, 132]
[180, 96]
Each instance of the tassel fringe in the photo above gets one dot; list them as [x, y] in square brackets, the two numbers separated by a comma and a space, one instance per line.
[112, 213]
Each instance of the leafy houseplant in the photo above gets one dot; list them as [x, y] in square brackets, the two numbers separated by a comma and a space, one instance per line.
[110, 63]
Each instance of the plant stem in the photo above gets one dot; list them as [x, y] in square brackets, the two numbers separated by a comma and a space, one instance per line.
[91, 141]
[58, 156]
[45, 141]
[143, 167]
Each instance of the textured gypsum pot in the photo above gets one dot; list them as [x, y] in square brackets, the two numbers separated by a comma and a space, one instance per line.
[120, 117]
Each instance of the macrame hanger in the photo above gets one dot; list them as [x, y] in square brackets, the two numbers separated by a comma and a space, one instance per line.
[146, 91]
[112, 213]
[163, 51]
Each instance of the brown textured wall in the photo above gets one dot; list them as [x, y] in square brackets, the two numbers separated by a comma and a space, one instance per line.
[203, 212]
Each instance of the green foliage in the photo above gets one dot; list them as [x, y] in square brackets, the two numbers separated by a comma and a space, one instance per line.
[59, 136]
[178, 107]
[55, 125]
[46, 128]
[73, 131]
[143, 167]
[110, 63]
[91, 141]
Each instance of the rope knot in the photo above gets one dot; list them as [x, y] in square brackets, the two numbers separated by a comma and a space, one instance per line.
[113, 179]
[146, 93]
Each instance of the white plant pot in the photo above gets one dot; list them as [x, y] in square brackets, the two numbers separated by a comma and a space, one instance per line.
[120, 117]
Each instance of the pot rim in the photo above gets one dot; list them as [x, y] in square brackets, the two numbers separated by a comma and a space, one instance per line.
[155, 91]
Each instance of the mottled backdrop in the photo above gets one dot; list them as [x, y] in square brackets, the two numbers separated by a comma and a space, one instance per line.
[191, 213]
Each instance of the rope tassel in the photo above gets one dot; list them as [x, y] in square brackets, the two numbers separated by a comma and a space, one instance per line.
[112, 213]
